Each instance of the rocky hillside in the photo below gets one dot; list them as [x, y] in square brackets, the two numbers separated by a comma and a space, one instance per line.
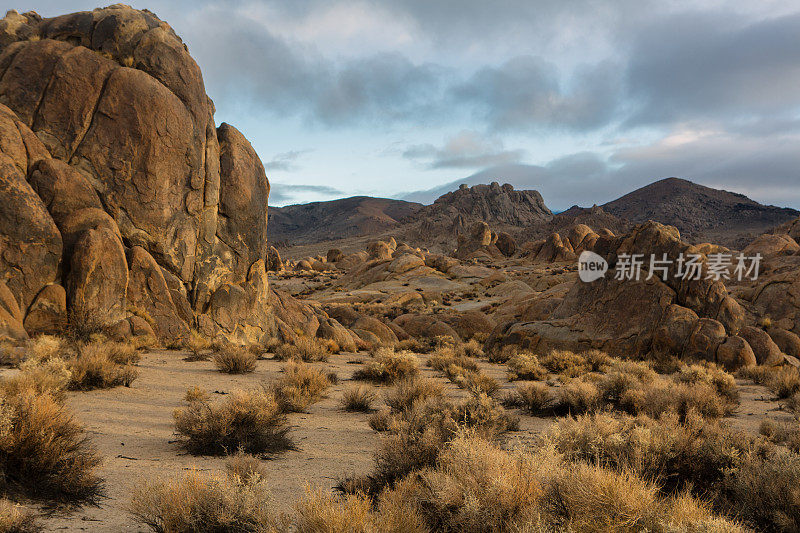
[337, 219]
[700, 213]
[122, 200]
[501, 206]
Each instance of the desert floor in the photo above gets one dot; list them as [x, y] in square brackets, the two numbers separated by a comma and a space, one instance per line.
[133, 430]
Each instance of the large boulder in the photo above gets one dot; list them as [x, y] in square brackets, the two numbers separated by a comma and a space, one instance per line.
[735, 353]
[108, 145]
[148, 291]
[30, 243]
[10, 315]
[48, 312]
[764, 348]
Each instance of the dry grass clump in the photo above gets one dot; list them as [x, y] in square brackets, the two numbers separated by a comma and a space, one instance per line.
[249, 421]
[527, 367]
[300, 386]
[388, 366]
[304, 348]
[359, 398]
[102, 365]
[783, 433]
[474, 486]
[44, 453]
[208, 504]
[235, 360]
[445, 357]
[407, 392]
[633, 388]
[783, 381]
[536, 398]
[472, 380]
[198, 345]
[17, 519]
[503, 354]
[47, 377]
[471, 348]
[10, 354]
[566, 363]
[743, 477]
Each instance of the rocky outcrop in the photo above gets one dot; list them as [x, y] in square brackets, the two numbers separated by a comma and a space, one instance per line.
[118, 187]
[687, 318]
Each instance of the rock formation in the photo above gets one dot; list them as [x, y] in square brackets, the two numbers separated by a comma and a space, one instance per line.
[121, 197]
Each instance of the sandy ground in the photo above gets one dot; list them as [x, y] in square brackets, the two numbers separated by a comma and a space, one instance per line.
[132, 429]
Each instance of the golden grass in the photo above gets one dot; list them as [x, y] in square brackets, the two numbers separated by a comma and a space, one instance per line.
[300, 386]
[407, 392]
[359, 398]
[44, 453]
[195, 502]
[235, 360]
[304, 348]
[388, 367]
[17, 519]
[248, 421]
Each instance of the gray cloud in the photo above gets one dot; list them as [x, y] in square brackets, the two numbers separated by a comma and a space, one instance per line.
[468, 149]
[715, 66]
[285, 193]
[527, 92]
[285, 160]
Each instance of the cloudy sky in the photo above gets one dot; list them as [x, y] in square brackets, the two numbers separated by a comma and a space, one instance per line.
[583, 100]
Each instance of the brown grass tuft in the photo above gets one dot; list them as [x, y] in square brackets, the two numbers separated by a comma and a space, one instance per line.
[17, 519]
[249, 421]
[207, 503]
[235, 360]
[304, 348]
[388, 367]
[300, 386]
[359, 398]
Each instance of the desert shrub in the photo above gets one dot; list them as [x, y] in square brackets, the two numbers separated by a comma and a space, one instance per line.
[322, 512]
[197, 344]
[358, 398]
[473, 381]
[792, 403]
[300, 386]
[503, 354]
[579, 397]
[303, 348]
[445, 357]
[412, 345]
[742, 476]
[16, 519]
[477, 487]
[762, 491]
[196, 394]
[471, 348]
[534, 397]
[44, 452]
[566, 363]
[409, 391]
[10, 354]
[249, 421]
[39, 377]
[102, 365]
[45, 347]
[710, 374]
[784, 433]
[85, 325]
[243, 467]
[207, 504]
[525, 366]
[388, 367]
[783, 381]
[486, 416]
[380, 420]
[235, 360]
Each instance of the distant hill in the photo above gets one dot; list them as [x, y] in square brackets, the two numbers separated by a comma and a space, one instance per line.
[336, 219]
[700, 213]
[501, 206]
